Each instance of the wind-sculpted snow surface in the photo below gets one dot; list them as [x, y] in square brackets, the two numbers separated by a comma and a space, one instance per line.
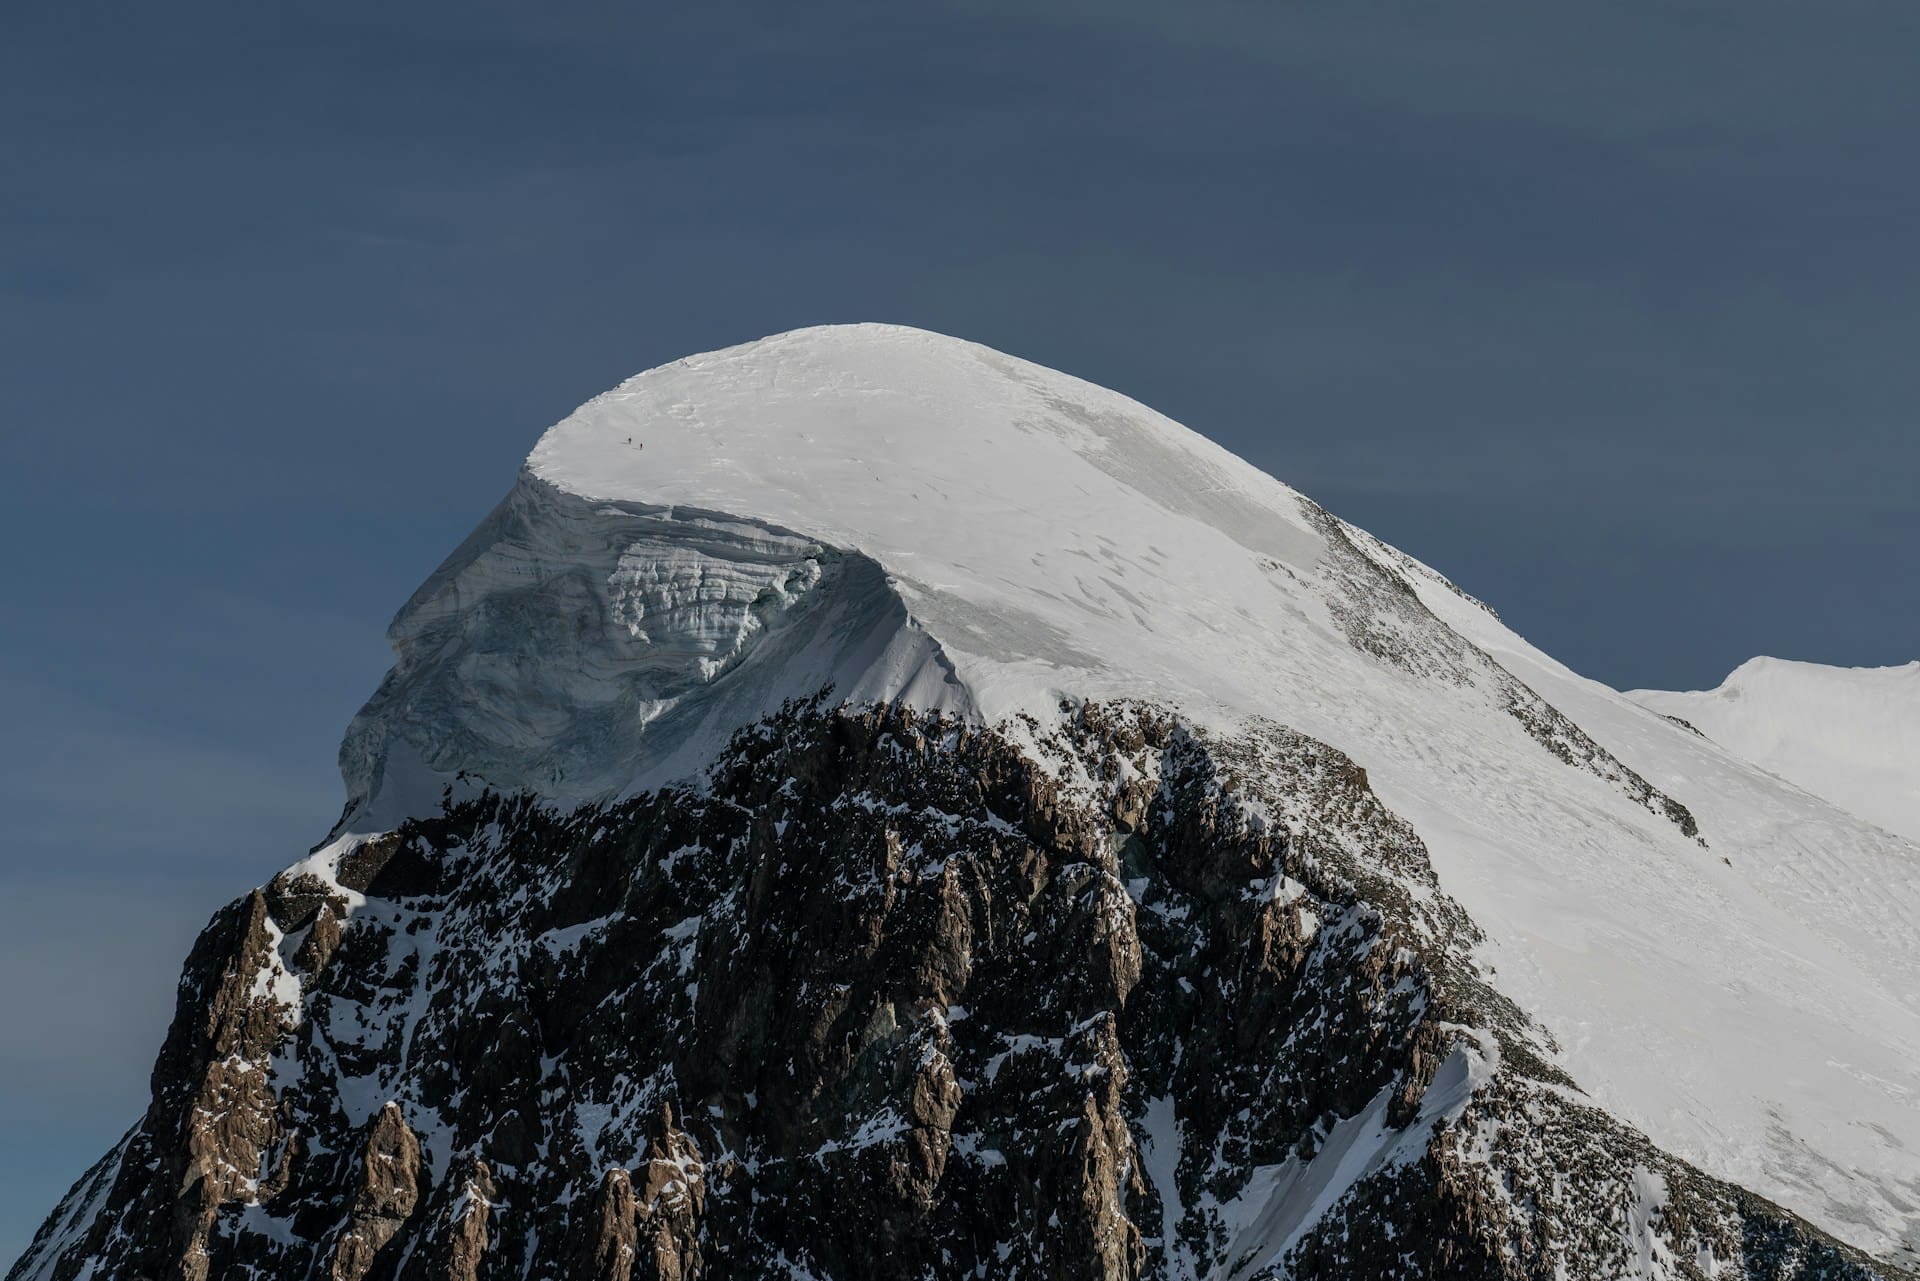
[834, 819]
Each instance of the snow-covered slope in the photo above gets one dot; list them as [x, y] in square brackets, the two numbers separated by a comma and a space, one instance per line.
[1850, 735]
[902, 515]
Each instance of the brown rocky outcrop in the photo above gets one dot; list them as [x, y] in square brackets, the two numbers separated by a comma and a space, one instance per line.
[385, 1195]
[465, 1241]
[609, 1242]
[668, 1202]
[213, 1134]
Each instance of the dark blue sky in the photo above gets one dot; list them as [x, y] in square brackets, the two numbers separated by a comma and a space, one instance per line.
[1606, 311]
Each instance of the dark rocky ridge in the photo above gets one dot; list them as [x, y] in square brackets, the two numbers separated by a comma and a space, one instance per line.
[891, 996]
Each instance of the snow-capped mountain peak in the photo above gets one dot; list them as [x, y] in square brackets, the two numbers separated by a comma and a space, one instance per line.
[901, 516]
[862, 769]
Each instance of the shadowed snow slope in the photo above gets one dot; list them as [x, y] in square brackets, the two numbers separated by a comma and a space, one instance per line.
[1850, 735]
[901, 515]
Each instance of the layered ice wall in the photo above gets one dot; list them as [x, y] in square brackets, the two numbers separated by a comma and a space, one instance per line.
[559, 650]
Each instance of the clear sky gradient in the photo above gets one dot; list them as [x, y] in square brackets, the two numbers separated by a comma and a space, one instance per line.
[1608, 312]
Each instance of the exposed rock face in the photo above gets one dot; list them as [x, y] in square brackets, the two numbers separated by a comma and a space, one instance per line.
[891, 996]
[387, 1192]
[669, 1203]
[462, 1245]
[219, 1067]
[611, 1244]
[212, 1138]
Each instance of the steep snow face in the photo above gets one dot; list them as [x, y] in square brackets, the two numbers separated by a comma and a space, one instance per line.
[1850, 735]
[900, 515]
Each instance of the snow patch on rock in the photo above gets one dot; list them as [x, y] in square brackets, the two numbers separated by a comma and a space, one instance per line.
[1283, 1202]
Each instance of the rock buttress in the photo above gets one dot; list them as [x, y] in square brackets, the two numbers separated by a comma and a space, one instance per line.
[890, 996]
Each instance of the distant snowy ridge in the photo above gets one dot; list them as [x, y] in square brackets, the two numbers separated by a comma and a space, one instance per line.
[1850, 735]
